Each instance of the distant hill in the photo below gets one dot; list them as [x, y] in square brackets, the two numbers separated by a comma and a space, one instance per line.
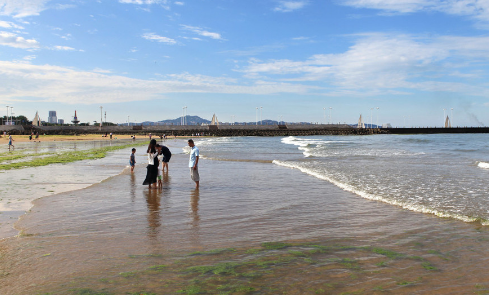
[196, 120]
[190, 120]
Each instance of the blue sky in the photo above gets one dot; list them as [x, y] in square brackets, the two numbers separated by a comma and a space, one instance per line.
[147, 59]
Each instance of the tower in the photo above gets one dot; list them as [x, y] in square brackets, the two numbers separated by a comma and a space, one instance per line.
[75, 119]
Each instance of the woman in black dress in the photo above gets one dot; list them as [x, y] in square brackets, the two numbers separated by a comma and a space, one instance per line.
[152, 168]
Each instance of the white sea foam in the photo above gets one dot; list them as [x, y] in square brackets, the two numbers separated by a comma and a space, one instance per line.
[213, 141]
[483, 165]
[349, 188]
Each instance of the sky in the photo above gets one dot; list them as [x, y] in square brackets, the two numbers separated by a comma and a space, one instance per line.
[403, 62]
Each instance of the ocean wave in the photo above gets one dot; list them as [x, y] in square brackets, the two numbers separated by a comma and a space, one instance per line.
[483, 165]
[412, 207]
[213, 141]
[307, 142]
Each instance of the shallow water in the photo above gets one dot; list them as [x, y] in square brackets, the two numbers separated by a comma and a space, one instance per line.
[106, 236]
[22, 186]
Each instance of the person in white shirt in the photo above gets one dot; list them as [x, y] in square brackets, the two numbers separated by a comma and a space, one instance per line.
[193, 163]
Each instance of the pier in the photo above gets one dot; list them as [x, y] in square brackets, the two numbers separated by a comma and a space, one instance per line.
[233, 130]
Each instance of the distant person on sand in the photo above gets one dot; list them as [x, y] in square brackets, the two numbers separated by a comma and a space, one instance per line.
[152, 168]
[132, 159]
[10, 139]
[193, 163]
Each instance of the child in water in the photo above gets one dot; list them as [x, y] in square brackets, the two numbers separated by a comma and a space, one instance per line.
[132, 159]
[160, 174]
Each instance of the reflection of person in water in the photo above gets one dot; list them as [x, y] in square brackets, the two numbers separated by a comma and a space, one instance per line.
[154, 219]
[194, 207]
[133, 187]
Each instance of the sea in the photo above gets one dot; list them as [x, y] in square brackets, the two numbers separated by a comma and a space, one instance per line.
[395, 214]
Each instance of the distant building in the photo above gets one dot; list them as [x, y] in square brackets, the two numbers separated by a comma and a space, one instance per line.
[75, 119]
[52, 119]
[36, 121]
[448, 123]
[61, 121]
[214, 120]
[360, 123]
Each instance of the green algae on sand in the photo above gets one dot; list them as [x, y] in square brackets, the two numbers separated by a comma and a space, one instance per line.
[57, 158]
[277, 268]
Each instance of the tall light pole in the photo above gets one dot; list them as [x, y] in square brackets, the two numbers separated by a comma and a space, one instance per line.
[256, 116]
[377, 117]
[101, 120]
[128, 121]
[451, 117]
[443, 118]
[7, 116]
[330, 108]
[324, 115]
[185, 116]
[11, 111]
[371, 110]
[261, 118]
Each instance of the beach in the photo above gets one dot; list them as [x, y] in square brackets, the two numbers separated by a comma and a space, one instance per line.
[266, 220]
[50, 138]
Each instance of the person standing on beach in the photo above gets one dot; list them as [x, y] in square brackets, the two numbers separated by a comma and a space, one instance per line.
[132, 159]
[152, 168]
[10, 139]
[193, 163]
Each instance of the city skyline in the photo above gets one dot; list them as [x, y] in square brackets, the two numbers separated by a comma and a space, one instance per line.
[407, 63]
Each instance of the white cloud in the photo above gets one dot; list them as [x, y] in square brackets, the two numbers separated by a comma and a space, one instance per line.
[64, 6]
[379, 63]
[202, 32]
[10, 25]
[162, 3]
[288, 6]
[477, 9]
[98, 70]
[154, 37]
[179, 3]
[65, 48]
[22, 8]
[141, 2]
[58, 84]
[12, 40]
[66, 37]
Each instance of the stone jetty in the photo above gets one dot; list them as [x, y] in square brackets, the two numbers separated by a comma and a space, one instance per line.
[233, 130]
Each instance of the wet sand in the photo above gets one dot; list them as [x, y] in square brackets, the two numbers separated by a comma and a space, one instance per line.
[118, 237]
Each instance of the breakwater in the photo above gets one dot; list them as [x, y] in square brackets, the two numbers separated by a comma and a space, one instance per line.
[233, 130]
